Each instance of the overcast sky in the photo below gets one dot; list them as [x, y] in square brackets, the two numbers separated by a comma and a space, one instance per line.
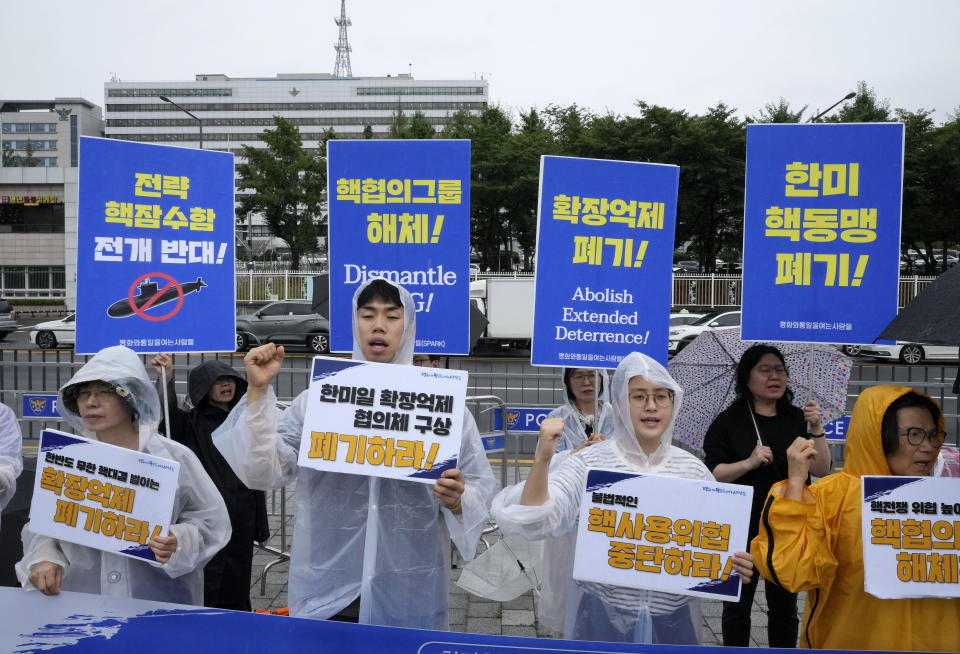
[604, 55]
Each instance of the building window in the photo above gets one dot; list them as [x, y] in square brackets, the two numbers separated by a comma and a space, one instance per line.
[32, 281]
[36, 144]
[295, 106]
[420, 90]
[74, 142]
[25, 219]
[180, 93]
[29, 128]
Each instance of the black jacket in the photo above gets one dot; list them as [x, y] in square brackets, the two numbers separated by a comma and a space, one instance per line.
[247, 508]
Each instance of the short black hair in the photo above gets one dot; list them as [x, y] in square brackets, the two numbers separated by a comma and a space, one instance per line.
[748, 360]
[380, 289]
[890, 429]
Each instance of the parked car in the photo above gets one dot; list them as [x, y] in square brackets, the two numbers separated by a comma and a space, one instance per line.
[912, 353]
[681, 336]
[686, 267]
[684, 318]
[55, 333]
[8, 318]
[286, 322]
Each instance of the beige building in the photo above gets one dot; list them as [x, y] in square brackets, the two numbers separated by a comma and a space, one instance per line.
[38, 194]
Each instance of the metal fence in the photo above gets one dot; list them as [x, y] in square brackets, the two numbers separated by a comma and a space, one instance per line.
[515, 382]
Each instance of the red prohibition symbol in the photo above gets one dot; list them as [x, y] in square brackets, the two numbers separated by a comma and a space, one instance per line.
[141, 311]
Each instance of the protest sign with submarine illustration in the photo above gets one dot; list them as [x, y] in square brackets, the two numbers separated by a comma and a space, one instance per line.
[156, 226]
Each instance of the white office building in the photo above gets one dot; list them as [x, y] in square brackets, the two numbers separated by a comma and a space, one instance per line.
[234, 111]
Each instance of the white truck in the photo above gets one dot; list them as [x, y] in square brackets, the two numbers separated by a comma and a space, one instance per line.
[507, 304]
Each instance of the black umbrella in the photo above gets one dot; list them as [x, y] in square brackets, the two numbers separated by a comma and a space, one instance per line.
[932, 316]
[321, 294]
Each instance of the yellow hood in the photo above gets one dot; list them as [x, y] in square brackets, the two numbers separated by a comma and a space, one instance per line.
[864, 455]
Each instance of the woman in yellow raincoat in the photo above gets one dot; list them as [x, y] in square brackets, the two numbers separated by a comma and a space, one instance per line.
[810, 538]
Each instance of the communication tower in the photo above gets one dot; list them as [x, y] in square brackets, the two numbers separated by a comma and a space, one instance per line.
[342, 67]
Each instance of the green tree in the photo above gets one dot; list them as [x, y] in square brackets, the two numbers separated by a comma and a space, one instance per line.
[288, 184]
[9, 160]
[865, 108]
[777, 112]
[367, 132]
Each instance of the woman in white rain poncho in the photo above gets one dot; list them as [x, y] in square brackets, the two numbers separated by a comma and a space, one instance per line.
[112, 384]
[580, 418]
[645, 402]
[384, 540]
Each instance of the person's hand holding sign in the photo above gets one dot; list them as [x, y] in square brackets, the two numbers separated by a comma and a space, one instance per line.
[449, 488]
[535, 491]
[46, 576]
[163, 547]
[262, 363]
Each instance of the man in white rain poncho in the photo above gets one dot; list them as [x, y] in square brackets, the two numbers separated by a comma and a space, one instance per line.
[111, 399]
[645, 402]
[384, 541]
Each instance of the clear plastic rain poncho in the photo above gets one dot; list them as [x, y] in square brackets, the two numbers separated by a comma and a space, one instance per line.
[11, 458]
[385, 540]
[199, 521]
[573, 432]
[603, 612]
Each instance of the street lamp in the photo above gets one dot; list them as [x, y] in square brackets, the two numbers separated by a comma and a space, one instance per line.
[199, 122]
[849, 96]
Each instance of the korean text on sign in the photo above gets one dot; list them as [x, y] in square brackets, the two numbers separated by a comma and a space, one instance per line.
[821, 231]
[100, 495]
[383, 420]
[636, 531]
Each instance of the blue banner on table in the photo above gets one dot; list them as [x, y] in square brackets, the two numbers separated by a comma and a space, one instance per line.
[604, 261]
[521, 418]
[821, 237]
[101, 624]
[155, 248]
[400, 210]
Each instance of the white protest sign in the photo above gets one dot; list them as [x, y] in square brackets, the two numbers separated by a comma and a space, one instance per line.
[383, 419]
[101, 495]
[911, 536]
[662, 533]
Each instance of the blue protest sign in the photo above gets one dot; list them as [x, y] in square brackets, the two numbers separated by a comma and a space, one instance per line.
[821, 233]
[837, 430]
[604, 261]
[39, 406]
[400, 210]
[155, 257]
[521, 418]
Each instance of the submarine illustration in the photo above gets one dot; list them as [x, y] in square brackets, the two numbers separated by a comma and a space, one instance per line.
[148, 290]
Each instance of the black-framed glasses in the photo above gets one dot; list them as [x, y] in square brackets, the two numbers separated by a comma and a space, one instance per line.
[662, 399]
[916, 436]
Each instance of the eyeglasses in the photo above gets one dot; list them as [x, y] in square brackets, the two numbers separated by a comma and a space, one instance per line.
[88, 391]
[916, 436]
[581, 377]
[772, 371]
[662, 399]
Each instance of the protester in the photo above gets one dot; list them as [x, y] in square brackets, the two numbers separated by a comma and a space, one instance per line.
[580, 424]
[645, 402]
[810, 538]
[215, 388]
[376, 546]
[110, 399]
[426, 360]
[11, 458]
[747, 444]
